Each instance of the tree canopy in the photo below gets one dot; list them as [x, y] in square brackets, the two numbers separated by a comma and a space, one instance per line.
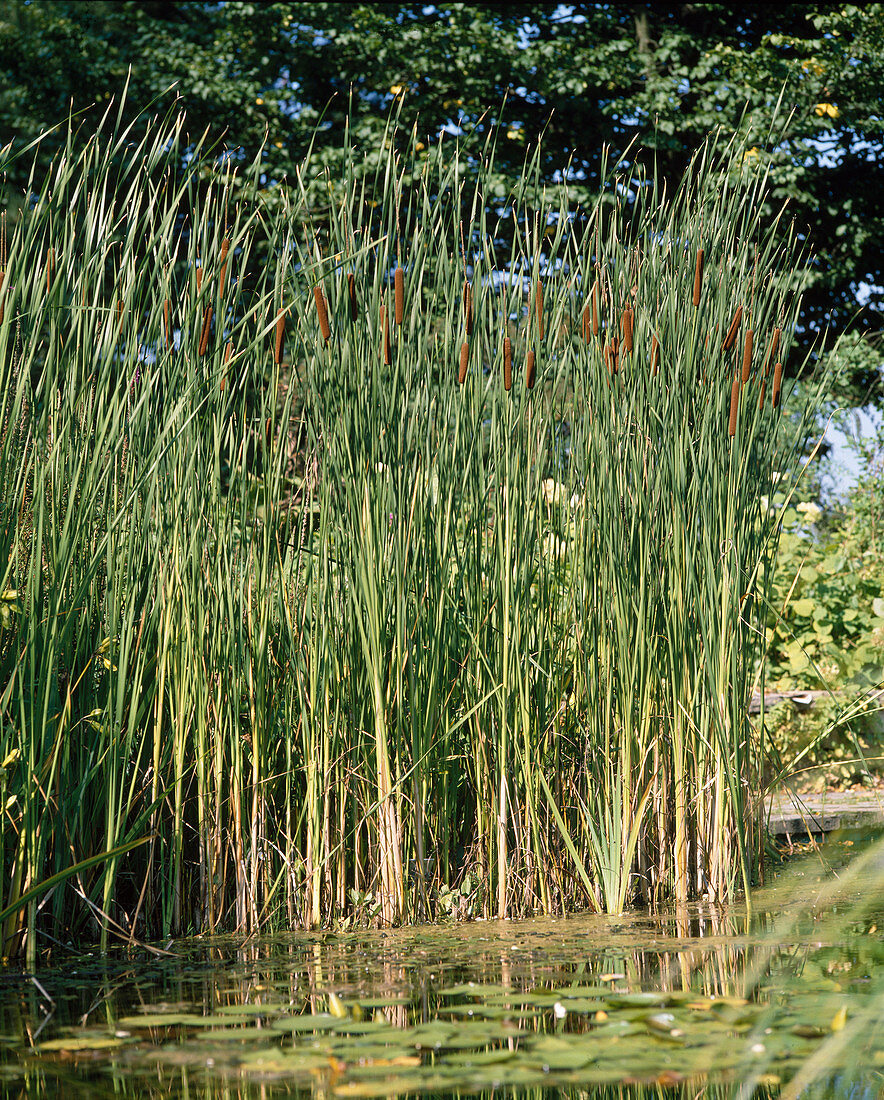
[584, 75]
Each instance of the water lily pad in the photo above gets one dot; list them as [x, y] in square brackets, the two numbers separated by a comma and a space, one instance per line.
[365, 1027]
[275, 1060]
[495, 1056]
[385, 1002]
[175, 1019]
[637, 1000]
[250, 1010]
[584, 1005]
[471, 989]
[489, 1012]
[431, 1036]
[84, 1042]
[554, 1053]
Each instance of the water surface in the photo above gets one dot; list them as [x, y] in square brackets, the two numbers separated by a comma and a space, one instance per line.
[703, 1002]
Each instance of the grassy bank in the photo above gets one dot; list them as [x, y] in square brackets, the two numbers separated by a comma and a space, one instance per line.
[387, 555]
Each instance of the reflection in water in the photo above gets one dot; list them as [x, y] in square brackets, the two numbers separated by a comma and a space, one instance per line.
[630, 1007]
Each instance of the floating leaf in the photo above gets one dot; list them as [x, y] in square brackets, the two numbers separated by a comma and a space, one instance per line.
[85, 1042]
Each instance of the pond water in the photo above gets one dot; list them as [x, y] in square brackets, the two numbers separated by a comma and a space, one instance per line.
[703, 1002]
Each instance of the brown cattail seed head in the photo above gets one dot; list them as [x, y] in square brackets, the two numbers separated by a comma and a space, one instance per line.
[464, 362]
[468, 309]
[530, 370]
[199, 279]
[587, 324]
[399, 285]
[351, 291]
[772, 351]
[204, 335]
[698, 277]
[655, 355]
[507, 363]
[321, 312]
[595, 308]
[167, 327]
[735, 405]
[777, 384]
[747, 357]
[731, 337]
[615, 355]
[222, 277]
[538, 305]
[50, 266]
[279, 343]
[761, 394]
[627, 322]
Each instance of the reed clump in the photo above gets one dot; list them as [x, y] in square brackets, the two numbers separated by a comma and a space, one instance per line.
[310, 631]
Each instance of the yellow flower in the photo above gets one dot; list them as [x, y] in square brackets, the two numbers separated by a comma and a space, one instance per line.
[827, 109]
[278, 144]
[396, 89]
[813, 67]
[419, 146]
[514, 133]
[751, 154]
[259, 101]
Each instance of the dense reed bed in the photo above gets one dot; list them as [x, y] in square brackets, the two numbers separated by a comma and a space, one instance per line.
[358, 552]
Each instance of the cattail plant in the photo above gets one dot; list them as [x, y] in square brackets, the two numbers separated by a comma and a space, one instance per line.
[385, 330]
[772, 351]
[538, 306]
[735, 405]
[351, 297]
[167, 323]
[279, 330]
[464, 363]
[228, 351]
[321, 313]
[422, 634]
[206, 330]
[734, 327]
[222, 274]
[399, 289]
[746, 369]
[698, 278]
[626, 327]
[777, 385]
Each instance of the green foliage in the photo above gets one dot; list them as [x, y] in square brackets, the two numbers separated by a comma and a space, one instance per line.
[827, 632]
[587, 76]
